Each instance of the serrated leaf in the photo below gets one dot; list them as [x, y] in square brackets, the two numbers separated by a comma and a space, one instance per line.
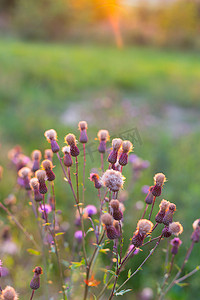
[33, 251]
[122, 292]
[129, 273]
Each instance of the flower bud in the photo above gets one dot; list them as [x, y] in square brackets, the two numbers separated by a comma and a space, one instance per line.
[83, 132]
[41, 176]
[195, 237]
[149, 197]
[168, 218]
[36, 157]
[163, 207]
[47, 166]
[175, 228]
[25, 174]
[71, 141]
[176, 242]
[116, 144]
[95, 178]
[115, 210]
[34, 183]
[144, 227]
[126, 148]
[159, 180]
[48, 154]
[103, 136]
[67, 159]
[51, 136]
[35, 282]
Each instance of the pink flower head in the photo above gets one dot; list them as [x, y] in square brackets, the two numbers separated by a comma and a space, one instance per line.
[47, 208]
[90, 210]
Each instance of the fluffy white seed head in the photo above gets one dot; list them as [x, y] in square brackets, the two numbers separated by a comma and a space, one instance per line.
[144, 226]
[50, 134]
[175, 228]
[113, 180]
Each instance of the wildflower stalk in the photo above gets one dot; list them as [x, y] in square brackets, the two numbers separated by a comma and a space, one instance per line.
[89, 266]
[180, 271]
[19, 225]
[167, 275]
[144, 211]
[54, 206]
[139, 268]
[32, 294]
[102, 162]
[84, 164]
[154, 199]
[77, 203]
[188, 275]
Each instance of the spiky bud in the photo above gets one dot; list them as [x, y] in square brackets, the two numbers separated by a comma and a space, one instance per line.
[159, 180]
[95, 178]
[36, 157]
[116, 144]
[168, 218]
[83, 132]
[103, 136]
[126, 148]
[34, 183]
[113, 180]
[51, 136]
[107, 219]
[48, 154]
[47, 166]
[35, 282]
[115, 209]
[71, 141]
[144, 227]
[163, 207]
[195, 237]
[25, 174]
[41, 176]
[165, 232]
[149, 197]
[176, 242]
[67, 159]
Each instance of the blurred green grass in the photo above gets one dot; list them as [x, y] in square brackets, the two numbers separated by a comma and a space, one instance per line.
[39, 81]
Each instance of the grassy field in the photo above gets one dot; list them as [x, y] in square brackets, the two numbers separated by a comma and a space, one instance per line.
[39, 81]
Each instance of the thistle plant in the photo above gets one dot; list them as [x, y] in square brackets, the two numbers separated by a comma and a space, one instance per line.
[98, 223]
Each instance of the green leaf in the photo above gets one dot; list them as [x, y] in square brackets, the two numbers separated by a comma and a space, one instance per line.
[76, 265]
[60, 233]
[33, 251]
[104, 278]
[122, 292]
[110, 286]
[104, 250]
[129, 273]
[181, 284]
[89, 230]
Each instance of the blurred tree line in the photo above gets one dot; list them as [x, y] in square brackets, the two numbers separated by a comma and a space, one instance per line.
[174, 23]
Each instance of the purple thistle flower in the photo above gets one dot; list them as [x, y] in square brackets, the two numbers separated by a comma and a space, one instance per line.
[90, 210]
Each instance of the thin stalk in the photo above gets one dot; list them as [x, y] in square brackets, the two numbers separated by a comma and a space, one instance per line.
[154, 199]
[167, 275]
[102, 162]
[32, 294]
[105, 287]
[54, 207]
[84, 164]
[139, 268]
[144, 211]
[89, 266]
[188, 275]
[181, 269]
[28, 235]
